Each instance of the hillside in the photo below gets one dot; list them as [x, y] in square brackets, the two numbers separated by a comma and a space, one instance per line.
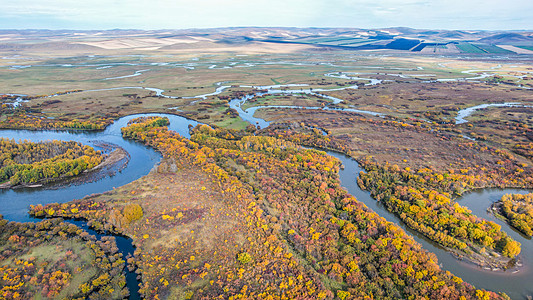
[386, 39]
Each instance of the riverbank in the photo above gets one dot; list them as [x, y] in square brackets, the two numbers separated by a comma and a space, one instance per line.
[511, 283]
[490, 262]
[487, 260]
[116, 160]
[516, 211]
[118, 155]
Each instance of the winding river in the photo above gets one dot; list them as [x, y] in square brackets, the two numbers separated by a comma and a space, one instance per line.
[14, 203]
[464, 113]
[517, 285]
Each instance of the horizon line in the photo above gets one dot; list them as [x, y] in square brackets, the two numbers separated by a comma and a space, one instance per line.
[272, 27]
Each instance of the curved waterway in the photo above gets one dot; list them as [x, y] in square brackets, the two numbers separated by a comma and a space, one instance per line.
[465, 113]
[517, 285]
[248, 114]
[14, 203]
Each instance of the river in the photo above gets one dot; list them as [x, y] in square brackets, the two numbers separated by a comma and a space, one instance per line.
[14, 203]
[516, 285]
[464, 113]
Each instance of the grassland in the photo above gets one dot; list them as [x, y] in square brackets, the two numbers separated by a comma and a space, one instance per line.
[296, 99]
[404, 92]
[186, 219]
[437, 102]
[170, 75]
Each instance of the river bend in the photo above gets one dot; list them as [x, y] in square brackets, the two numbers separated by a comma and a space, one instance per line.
[14, 203]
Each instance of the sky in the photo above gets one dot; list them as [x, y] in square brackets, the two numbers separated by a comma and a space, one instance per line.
[182, 14]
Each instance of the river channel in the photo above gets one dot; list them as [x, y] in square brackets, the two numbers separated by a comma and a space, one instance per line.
[14, 203]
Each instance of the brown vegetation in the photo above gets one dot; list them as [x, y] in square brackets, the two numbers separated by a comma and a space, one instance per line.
[283, 225]
[420, 189]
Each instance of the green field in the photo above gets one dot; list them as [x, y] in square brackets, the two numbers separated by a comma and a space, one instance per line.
[526, 47]
[492, 49]
[469, 48]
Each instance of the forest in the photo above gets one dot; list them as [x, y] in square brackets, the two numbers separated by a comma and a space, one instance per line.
[26, 162]
[517, 209]
[423, 197]
[31, 122]
[432, 212]
[22, 117]
[297, 233]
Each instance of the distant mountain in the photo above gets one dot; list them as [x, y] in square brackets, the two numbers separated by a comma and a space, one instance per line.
[472, 42]
[403, 39]
[516, 39]
[453, 35]
[47, 45]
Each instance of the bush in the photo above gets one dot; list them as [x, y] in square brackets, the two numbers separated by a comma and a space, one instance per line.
[244, 258]
[133, 212]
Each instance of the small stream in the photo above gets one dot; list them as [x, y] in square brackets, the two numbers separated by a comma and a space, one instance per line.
[248, 114]
[465, 113]
[125, 247]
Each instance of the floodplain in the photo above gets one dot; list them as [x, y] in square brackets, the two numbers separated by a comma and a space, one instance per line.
[427, 130]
